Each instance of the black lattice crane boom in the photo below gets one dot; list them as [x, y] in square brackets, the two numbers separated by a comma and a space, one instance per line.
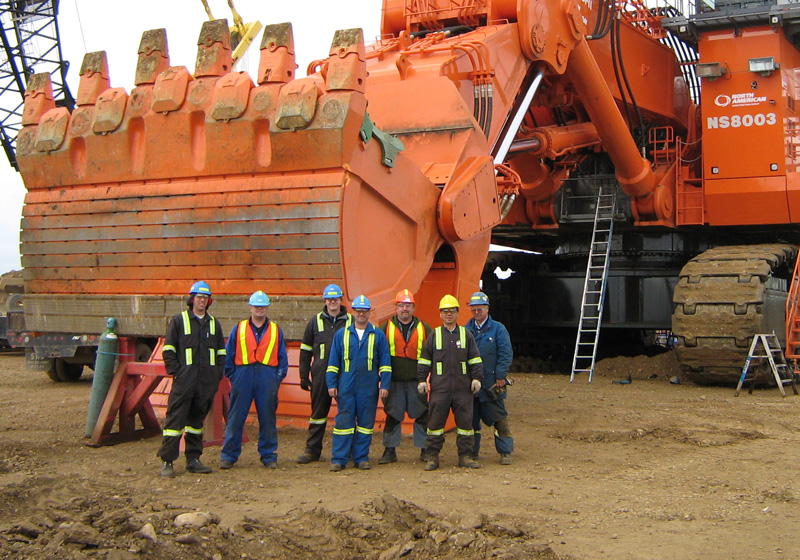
[31, 44]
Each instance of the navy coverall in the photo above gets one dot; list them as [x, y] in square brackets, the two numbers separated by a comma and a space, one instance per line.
[494, 345]
[356, 369]
[257, 382]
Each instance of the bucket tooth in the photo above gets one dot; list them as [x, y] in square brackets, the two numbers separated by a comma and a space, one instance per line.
[94, 78]
[347, 66]
[169, 91]
[38, 98]
[109, 111]
[230, 96]
[277, 63]
[153, 56]
[214, 56]
[297, 104]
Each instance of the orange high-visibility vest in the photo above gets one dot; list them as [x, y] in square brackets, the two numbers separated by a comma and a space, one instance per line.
[398, 346]
[250, 352]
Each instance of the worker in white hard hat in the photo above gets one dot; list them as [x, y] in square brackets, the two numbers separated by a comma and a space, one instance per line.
[359, 372]
[451, 358]
[494, 345]
[256, 363]
[406, 334]
[315, 350]
[194, 352]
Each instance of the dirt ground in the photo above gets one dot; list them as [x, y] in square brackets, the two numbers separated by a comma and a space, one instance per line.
[646, 470]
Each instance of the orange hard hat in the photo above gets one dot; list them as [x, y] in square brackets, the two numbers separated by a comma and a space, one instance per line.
[404, 296]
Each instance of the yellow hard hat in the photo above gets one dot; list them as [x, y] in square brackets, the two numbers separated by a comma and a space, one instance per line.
[448, 302]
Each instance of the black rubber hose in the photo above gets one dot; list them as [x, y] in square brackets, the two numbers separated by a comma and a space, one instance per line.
[449, 31]
[640, 121]
[622, 96]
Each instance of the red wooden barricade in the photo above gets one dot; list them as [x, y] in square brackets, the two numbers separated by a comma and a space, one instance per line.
[129, 397]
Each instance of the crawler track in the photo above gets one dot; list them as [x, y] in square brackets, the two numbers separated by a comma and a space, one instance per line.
[725, 296]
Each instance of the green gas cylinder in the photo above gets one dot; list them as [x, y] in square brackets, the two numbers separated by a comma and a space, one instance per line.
[104, 367]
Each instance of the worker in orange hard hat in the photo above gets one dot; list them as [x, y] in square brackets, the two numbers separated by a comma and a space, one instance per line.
[451, 358]
[406, 335]
[194, 354]
[314, 353]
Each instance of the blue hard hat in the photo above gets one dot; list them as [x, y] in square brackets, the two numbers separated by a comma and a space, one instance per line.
[200, 288]
[259, 299]
[332, 291]
[361, 302]
[479, 298]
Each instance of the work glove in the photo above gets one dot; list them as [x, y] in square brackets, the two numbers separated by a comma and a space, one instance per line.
[475, 386]
[305, 384]
[422, 388]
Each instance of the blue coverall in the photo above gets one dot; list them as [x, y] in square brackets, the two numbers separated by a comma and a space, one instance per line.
[356, 369]
[494, 344]
[253, 382]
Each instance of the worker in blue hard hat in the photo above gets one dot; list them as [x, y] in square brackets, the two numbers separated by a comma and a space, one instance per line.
[314, 351]
[194, 352]
[256, 363]
[359, 372]
[494, 345]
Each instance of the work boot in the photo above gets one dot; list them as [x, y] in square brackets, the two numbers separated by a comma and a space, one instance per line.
[433, 463]
[468, 462]
[307, 457]
[195, 466]
[364, 465]
[389, 456]
[505, 458]
[424, 454]
[166, 470]
[225, 464]
[336, 467]
[272, 465]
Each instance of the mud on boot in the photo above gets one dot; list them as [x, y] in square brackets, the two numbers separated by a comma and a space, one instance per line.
[307, 457]
[195, 466]
[166, 470]
[468, 462]
[389, 456]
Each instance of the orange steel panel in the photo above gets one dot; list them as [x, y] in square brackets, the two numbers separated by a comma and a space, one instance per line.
[749, 201]
[92, 247]
[743, 108]
[654, 75]
[793, 195]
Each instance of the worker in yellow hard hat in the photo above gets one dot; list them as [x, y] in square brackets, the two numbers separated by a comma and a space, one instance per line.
[406, 334]
[451, 358]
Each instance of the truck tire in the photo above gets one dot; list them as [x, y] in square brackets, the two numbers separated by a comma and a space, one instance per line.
[62, 371]
[14, 302]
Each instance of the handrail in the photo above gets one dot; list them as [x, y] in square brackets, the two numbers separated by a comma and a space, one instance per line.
[792, 311]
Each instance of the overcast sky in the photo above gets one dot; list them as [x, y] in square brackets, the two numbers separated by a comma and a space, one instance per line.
[95, 25]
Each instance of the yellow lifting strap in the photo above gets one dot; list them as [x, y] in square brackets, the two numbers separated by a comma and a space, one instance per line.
[242, 34]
